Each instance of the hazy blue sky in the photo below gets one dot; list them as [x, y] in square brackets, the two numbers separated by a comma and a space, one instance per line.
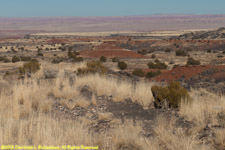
[30, 8]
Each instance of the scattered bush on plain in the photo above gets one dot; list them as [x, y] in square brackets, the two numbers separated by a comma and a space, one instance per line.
[169, 96]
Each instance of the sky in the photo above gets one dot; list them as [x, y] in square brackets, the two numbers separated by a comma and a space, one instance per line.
[46, 8]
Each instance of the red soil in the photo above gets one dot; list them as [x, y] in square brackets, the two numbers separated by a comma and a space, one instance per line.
[110, 51]
[111, 54]
[187, 72]
[154, 70]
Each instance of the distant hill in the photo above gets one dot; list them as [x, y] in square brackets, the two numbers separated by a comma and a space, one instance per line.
[214, 34]
[108, 24]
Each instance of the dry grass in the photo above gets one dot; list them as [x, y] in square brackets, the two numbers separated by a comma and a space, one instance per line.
[172, 138]
[204, 109]
[25, 115]
[105, 116]
[119, 90]
[219, 140]
[44, 131]
[93, 100]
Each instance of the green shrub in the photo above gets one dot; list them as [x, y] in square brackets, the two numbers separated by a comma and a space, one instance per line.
[73, 55]
[209, 51]
[32, 66]
[153, 56]
[150, 51]
[170, 96]
[181, 53]
[192, 61]
[168, 50]
[25, 58]
[157, 65]
[92, 67]
[15, 59]
[78, 59]
[115, 59]
[1, 58]
[57, 60]
[6, 60]
[77, 53]
[220, 56]
[122, 65]
[152, 74]
[142, 52]
[13, 50]
[138, 72]
[70, 54]
[40, 54]
[103, 59]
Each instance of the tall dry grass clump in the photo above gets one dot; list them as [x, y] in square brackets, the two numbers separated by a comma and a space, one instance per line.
[119, 90]
[204, 108]
[174, 138]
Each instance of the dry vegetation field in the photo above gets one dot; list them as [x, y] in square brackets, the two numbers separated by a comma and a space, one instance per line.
[117, 93]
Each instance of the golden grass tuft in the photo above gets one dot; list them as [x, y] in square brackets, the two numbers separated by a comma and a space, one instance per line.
[120, 90]
[105, 116]
[204, 109]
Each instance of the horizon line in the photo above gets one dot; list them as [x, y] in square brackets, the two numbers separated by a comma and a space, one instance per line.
[144, 15]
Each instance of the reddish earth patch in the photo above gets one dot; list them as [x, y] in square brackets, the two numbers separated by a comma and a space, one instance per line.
[111, 54]
[110, 51]
[108, 47]
[154, 70]
[186, 72]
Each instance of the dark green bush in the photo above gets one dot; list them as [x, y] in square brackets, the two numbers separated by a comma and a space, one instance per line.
[25, 58]
[209, 51]
[70, 54]
[153, 56]
[168, 50]
[122, 65]
[142, 52]
[138, 72]
[92, 67]
[15, 59]
[170, 96]
[1, 58]
[192, 61]
[78, 59]
[6, 60]
[77, 53]
[32, 66]
[220, 56]
[152, 74]
[181, 53]
[115, 59]
[57, 60]
[157, 65]
[103, 59]
[40, 54]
